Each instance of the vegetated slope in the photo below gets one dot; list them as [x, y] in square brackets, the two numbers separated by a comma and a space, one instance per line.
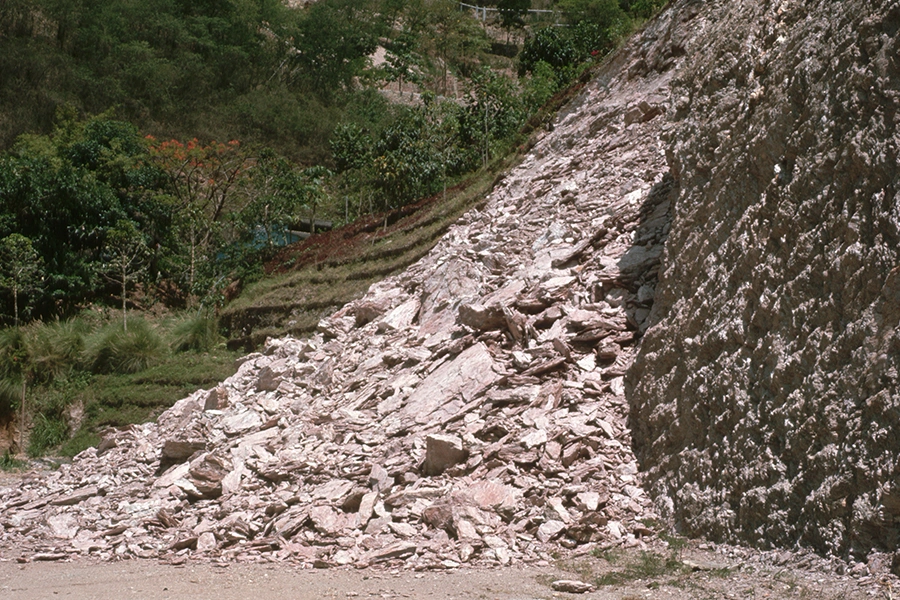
[311, 279]
[469, 409]
[765, 396]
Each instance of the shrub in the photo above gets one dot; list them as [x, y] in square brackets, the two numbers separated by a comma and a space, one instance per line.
[199, 333]
[115, 350]
[550, 46]
[10, 395]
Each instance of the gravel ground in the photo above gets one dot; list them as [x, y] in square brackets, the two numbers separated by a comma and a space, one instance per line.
[694, 572]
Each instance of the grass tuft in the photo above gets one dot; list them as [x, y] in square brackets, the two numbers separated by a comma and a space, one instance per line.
[647, 565]
[9, 463]
[48, 432]
[199, 334]
[112, 349]
[55, 348]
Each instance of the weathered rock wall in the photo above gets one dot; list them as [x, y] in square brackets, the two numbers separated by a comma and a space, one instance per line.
[765, 399]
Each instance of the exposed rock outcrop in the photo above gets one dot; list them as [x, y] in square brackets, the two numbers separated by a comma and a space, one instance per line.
[765, 395]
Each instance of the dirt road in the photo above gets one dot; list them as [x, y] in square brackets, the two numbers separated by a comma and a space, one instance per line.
[695, 575]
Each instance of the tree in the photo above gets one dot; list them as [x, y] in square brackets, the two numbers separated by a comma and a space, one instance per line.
[551, 46]
[279, 193]
[20, 268]
[333, 42]
[494, 112]
[512, 14]
[15, 369]
[455, 38]
[401, 61]
[126, 254]
[203, 179]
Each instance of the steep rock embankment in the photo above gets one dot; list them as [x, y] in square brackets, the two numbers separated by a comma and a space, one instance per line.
[765, 395]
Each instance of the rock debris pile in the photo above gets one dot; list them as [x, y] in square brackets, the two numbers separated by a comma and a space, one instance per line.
[469, 410]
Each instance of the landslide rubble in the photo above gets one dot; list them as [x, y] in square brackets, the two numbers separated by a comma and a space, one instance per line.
[468, 410]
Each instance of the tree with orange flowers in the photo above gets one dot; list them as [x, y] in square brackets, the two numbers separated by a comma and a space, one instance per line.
[204, 180]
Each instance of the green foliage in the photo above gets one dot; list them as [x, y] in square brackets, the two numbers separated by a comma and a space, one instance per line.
[9, 463]
[405, 162]
[48, 431]
[14, 354]
[642, 9]
[20, 269]
[410, 158]
[493, 115]
[218, 70]
[402, 60]
[125, 255]
[350, 145]
[62, 208]
[646, 565]
[551, 46]
[594, 29]
[512, 13]
[114, 400]
[333, 40]
[606, 13]
[199, 333]
[457, 42]
[117, 377]
[82, 439]
[113, 349]
[10, 396]
[539, 87]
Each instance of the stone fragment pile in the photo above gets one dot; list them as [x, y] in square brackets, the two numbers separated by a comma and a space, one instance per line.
[469, 410]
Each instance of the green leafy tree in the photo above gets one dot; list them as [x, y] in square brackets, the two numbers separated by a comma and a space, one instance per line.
[512, 14]
[642, 9]
[539, 87]
[15, 371]
[494, 112]
[551, 46]
[607, 13]
[455, 39]
[20, 269]
[350, 147]
[332, 44]
[402, 61]
[126, 259]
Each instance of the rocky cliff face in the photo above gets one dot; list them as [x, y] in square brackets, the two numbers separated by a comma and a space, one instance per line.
[765, 395]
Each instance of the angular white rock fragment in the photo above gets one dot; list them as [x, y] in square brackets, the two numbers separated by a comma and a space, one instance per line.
[571, 586]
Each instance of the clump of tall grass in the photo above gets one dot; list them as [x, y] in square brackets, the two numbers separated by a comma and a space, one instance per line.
[13, 367]
[10, 395]
[199, 333]
[47, 432]
[112, 349]
[55, 348]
